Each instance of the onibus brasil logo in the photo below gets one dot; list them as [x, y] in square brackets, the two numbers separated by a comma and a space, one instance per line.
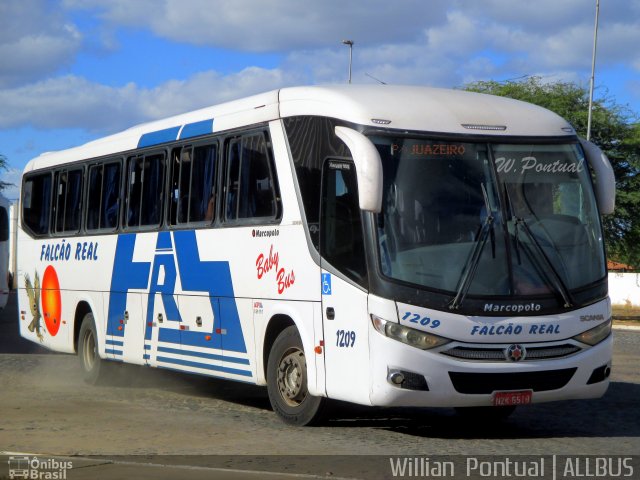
[34, 468]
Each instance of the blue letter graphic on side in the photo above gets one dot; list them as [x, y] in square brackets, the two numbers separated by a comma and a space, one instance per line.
[214, 278]
[166, 289]
[127, 275]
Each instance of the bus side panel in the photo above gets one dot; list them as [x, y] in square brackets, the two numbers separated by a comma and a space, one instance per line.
[239, 361]
[55, 275]
[303, 316]
[346, 340]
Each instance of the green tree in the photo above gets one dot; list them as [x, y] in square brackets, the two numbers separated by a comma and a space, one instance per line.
[615, 129]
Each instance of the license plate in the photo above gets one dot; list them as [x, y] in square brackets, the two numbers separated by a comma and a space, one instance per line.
[507, 399]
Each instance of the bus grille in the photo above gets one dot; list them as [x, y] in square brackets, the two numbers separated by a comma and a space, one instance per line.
[497, 354]
[485, 383]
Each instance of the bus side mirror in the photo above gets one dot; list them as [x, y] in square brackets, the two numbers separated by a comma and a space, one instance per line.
[605, 186]
[368, 168]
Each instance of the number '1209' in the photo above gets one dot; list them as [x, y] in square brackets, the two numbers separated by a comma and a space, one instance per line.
[345, 338]
[424, 321]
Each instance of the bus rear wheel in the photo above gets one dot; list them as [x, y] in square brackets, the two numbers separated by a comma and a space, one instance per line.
[287, 381]
[90, 361]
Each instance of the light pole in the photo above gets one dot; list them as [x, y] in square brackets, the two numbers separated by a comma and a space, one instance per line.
[350, 43]
[593, 71]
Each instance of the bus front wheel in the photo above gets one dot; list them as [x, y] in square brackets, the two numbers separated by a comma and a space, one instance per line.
[287, 381]
[90, 360]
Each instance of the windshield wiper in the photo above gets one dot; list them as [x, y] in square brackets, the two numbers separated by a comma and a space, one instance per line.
[513, 218]
[474, 258]
[541, 258]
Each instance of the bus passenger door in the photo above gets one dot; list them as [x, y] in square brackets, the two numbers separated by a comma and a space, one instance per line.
[344, 281]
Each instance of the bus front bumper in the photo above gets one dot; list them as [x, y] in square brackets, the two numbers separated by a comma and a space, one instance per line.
[432, 379]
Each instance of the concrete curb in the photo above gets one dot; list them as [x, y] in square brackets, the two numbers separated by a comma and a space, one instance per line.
[627, 328]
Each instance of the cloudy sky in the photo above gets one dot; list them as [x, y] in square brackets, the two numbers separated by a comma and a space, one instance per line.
[75, 70]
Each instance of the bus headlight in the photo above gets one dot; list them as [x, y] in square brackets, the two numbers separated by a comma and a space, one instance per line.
[596, 334]
[410, 336]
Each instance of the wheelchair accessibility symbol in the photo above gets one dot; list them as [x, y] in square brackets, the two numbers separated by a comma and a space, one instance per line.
[326, 284]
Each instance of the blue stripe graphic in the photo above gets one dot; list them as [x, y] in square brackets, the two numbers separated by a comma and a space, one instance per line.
[117, 343]
[188, 363]
[197, 128]
[169, 335]
[211, 356]
[159, 136]
[113, 352]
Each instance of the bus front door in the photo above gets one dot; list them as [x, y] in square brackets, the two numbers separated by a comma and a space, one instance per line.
[344, 277]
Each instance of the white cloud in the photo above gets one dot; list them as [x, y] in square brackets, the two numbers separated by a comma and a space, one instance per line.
[544, 33]
[35, 40]
[72, 102]
[277, 25]
[436, 43]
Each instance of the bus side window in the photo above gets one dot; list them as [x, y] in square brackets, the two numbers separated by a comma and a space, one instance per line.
[109, 214]
[36, 203]
[67, 206]
[250, 186]
[193, 184]
[145, 182]
[202, 185]
[102, 196]
[233, 170]
[341, 238]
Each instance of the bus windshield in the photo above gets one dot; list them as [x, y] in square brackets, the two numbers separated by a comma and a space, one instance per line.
[488, 219]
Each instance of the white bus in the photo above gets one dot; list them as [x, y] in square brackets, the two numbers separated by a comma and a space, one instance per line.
[5, 232]
[389, 246]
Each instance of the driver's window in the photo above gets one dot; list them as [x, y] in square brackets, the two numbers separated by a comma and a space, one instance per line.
[342, 242]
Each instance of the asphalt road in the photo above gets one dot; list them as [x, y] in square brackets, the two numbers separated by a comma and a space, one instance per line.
[149, 423]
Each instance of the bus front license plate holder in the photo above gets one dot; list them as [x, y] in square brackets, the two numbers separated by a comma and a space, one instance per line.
[512, 398]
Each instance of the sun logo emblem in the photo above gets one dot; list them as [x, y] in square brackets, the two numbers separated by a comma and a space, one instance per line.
[47, 294]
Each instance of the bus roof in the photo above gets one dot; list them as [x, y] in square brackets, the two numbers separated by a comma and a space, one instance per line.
[397, 107]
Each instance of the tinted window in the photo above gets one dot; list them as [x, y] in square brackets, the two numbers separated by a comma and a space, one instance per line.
[4, 225]
[103, 194]
[68, 196]
[193, 184]
[145, 180]
[342, 243]
[36, 203]
[251, 191]
[312, 140]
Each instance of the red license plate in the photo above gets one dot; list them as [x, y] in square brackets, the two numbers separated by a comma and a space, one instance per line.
[507, 399]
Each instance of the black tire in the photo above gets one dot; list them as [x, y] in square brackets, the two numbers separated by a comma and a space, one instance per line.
[92, 365]
[287, 381]
[483, 415]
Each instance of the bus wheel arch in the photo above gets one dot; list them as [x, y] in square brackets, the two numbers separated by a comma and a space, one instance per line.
[276, 326]
[88, 351]
[287, 375]
[82, 309]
